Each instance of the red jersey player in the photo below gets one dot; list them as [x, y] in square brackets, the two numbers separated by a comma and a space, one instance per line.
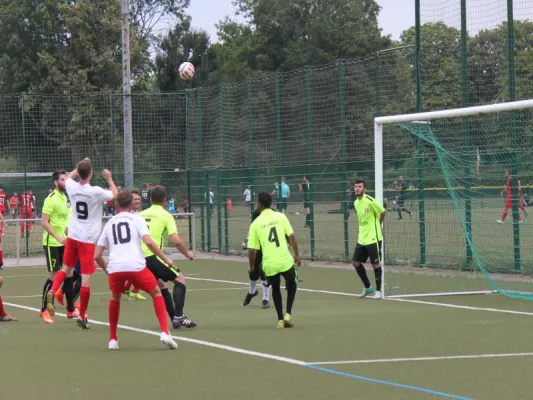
[508, 190]
[5, 317]
[84, 228]
[123, 235]
[3, 226]
[3, 201]
[26, 210]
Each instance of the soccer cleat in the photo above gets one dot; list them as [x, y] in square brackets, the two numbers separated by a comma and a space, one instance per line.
[130, 294]
[139, 296]
[50, 303]
[59, 295]
[167, 340]
[287, 320]
[366, 292]
[113, 344]
[281, 324]
[1, 267]
[377, 295]
[178, 322]
[7, 318]
[265, 304]
[83, 323]
[45, 315]
[249, 298]
[73, 314]
[499, 221]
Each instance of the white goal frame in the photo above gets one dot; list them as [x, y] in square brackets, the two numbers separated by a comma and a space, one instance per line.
[423, 117]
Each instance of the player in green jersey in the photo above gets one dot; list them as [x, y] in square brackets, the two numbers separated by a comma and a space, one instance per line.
[370, 216]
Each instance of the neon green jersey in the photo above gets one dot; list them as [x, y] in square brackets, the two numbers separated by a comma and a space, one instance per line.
[58, 211]
[160, 224]
[368, 211]
[267, 233]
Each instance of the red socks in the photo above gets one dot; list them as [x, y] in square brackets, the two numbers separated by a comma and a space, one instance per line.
[2, 311]
[114, 311]
[1, 256]
[58, 280]
[85, 295]
[161, 312]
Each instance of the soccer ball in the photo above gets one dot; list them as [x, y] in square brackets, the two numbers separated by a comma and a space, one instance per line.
[297, 213]
[186, 71]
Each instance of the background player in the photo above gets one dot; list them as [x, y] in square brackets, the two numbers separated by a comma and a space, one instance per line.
[370, 216]
[268, 233]
[3, 227]
[304, 187]
[400, 202]
[123, 235]
[247, 196]
[172, 205]
[4, 316]
[145, 194]
[508, 190]
[84, 229]
[3, 201]
[285, 194]
[26, 200]
[54, 220]
[256, 274]
[161, 223]
[14, 205]
[136, 207]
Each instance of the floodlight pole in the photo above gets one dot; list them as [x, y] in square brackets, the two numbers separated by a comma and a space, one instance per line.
[126, 95]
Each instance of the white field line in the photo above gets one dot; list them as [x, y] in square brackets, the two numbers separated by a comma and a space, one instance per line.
[183, 339]
[393, 360]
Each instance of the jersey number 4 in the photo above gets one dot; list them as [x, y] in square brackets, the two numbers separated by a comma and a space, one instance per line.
[273, 236]
[121, 233]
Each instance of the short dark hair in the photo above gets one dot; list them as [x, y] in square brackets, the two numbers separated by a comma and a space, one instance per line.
[265, 199]
[84, 168]
[136, 191]
[57, 174]
[360, 181]
[124, 199]
[158, 194]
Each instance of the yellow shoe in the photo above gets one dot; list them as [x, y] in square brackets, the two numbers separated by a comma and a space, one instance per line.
[130, 294]
[287, 320]
[139, 296]
[281, 324]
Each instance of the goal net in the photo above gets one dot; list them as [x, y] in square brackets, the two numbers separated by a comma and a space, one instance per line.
[457, 185]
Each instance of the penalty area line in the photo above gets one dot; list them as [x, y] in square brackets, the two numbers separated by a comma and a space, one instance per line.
[267, 356]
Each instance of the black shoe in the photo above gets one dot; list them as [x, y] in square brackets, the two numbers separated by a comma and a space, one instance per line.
[1, 267]
[249, 298]
[265, 304]
[83, 323]
[178, 322]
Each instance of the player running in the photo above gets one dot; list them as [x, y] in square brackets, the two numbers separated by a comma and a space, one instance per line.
[123, 235]
[54, 220]
[268, 233]
[136, 207]
[160, 223]
[370, 216]
[84, 228]
[4, 316]
[3, 227]
[507, 189]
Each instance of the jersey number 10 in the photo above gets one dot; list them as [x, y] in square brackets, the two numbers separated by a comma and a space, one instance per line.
[121, 233]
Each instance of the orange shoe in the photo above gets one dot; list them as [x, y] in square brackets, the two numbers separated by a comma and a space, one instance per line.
[73, 314]
[45, 315]
[59, 297]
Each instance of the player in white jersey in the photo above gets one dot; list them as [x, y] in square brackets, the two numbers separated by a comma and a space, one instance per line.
[122, 235]
[84, 228]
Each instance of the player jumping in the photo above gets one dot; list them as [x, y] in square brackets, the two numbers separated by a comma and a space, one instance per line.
[84, 228]
[123, 235]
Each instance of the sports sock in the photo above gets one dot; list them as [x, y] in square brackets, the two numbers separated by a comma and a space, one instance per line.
[76, 286]
[399, 214]
[68, 290]
[251, 287]
[179, 298]
[266, 290]
[291, 286]
[85, 296]
[58, 280]
[504, 215]
[114, 312]
[276, 295]
[361, 271]
[377, 273]
[46, 289]
[2, 256]
[169, 304]
[159, 307]
[2, 311]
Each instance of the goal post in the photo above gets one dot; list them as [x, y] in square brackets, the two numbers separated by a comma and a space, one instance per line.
[467, 151]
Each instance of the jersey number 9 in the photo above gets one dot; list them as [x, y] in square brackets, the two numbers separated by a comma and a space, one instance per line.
[82, 210]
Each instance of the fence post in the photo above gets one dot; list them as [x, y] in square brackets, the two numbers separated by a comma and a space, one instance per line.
[191, 229]
[342, 124]
[18, 242]
[309, 128]
[226, 215]
[24, 143]
[219, 213]
[209, 209]
[420, 147]
[222, 110]
[279, 151]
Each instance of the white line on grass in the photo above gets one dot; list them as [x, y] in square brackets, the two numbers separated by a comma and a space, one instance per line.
[392, 360]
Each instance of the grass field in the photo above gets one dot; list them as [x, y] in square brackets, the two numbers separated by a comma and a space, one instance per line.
[465, 347]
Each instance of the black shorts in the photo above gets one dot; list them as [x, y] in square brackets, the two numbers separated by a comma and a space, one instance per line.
[363, 252]
[306, 204]
[160, 270]
[282, 204]
[54, 257]
[400, 201]
[257, 273]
